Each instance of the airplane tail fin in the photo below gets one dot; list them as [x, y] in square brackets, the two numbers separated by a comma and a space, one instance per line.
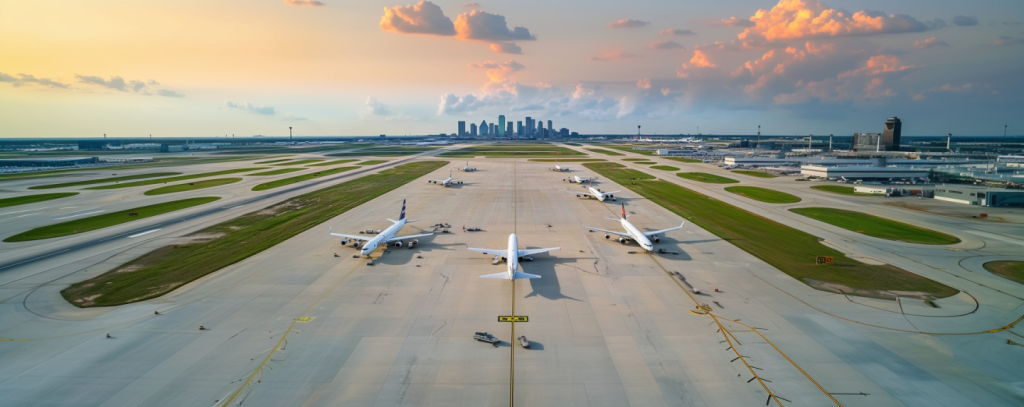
[503, 274]
[402, 215]
[519, 275]
[624, 211]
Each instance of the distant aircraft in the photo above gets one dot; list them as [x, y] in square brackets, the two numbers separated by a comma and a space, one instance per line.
[632, 233]
[578, 180]
[467, 168]
[446, 182]
[512, 255]
[560, 168]
[385, 237]
[596, 193]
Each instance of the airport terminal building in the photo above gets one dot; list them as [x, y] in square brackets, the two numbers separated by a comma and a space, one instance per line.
[972, 195]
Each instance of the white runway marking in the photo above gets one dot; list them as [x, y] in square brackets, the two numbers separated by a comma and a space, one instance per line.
[143, 233]
[27, 214]
[81, 214]
[11, 213]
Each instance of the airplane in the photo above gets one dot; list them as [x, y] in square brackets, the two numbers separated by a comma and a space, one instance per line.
[632, 233]
[512, 272]
[560, 168]
[596, 193]
[467, 168]
[446, 182]
[578, 180]
[385, 237]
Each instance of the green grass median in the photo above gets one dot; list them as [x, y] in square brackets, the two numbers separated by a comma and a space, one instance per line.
[603, 151]
[30, 199]
[1008, 269]
[372, 162]
[764, 195]
[176, 179]
[104, 180]
[664, 168]
[684, 159]
[757, 174]
[384, 151]
[785, 248]
[876, 226]
[165, 269]
[335, 162]
[192, 186]
[629, 148]
[305, 177]
[299, 162]
[276, 172]
[274, 161]
[705, 177]
[840, 189]
[566, 160]
[91, 223]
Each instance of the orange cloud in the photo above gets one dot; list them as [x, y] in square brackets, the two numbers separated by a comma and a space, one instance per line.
[499, 72]
[877, 65]
[484, 26]
[791, 19]
[730, 22]
[700, 60]
[644, 84]
[929, 43]
[628, 24]
[422, 18]
[506, 48]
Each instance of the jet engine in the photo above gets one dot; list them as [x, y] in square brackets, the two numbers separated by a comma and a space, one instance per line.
[577, 195]
[657, 239]
[398, 243]
[622, 240]
[607, 236]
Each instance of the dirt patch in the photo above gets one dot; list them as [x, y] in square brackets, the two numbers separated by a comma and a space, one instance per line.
[879, 294]
[129, 268]
[87, 301]
[203, 237]
[920, 208]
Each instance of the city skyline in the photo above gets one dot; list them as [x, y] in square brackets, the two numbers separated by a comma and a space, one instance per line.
[192, 69]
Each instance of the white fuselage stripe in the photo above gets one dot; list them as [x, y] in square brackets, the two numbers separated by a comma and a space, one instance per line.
[382, 238]
[513, 255]
[637, 235]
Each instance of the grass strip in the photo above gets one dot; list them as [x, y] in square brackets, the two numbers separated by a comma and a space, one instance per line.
[192, 186]
[91, 223]
[840, 189]
[628, 148]
[684, 159]
[162, 270]
[300, 162]
[764, 195]
[876, 226]
[566, 160]
[757, 174]
[104, 180]
[274, 161]
[636, 159]
[602, 151]
[277, 172]
[705, 177]
[176, 179]
[30, 199]
[644, 162]
[305, 177]
[664, 168]
[390, 151]
[785, 248]
[335, 162]
[574, 144]
[1008, 269]
[160, 162]
[372, 162]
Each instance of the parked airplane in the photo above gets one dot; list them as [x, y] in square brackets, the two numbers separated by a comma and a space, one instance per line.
[596, 193]
[512, 255]
[446, 182]
[632, 233]
[385, 237]
[467, 168]
[578, 180]
[560, 168]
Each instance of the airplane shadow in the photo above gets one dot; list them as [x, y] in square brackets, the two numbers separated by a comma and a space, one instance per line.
[547, 286]
[534, 345]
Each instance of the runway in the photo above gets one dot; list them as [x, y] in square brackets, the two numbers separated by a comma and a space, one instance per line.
[297, 326]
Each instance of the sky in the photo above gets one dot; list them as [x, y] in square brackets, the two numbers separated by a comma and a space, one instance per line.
[189, 68]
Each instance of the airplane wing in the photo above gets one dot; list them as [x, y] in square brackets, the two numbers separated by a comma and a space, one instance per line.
[581, 193]
[435, 180]
[457, 180]
[502, 253]
[353, 237]
[610, 232]
[612, 192]
[658, 232]
[397, 238]
[528, 252]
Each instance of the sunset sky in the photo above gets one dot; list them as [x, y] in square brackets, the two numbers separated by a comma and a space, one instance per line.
[189, 68]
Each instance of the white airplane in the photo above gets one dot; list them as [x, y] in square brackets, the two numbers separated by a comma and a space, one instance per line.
[512, 255]
[632, 233]
[385, 237]
[467, 168]
[560, 168]
[446, 182]
[578, 180]
[596, 193]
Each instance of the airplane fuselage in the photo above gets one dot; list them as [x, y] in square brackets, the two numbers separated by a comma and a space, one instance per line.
[598, 194]
[638, 236]
[371, 245]
[513, 256]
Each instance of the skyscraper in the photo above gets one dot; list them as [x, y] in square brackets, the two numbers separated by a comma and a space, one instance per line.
[508, 129]
[501, 125]
[472, 129]
[484, 128]
[519, 127]
[551, 129]
[540, 128]
[493, 130]
[529, 126]
[462, 128]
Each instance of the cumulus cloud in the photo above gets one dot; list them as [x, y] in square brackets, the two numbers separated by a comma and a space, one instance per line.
[677, 31]
[484, 26]
[665, 45]
[699, 60]
[965, 21]
[644, 84]
[506, 48]
[499, 72]
[23, 79]
[730, 22]
[304, 3]
[929, 43]
[795, 19]
[626, 23]
[115, 82]
[613, 54]
[421, 18]
[169, 93]
[1004, 40]
[262, 110]
[376, 108]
